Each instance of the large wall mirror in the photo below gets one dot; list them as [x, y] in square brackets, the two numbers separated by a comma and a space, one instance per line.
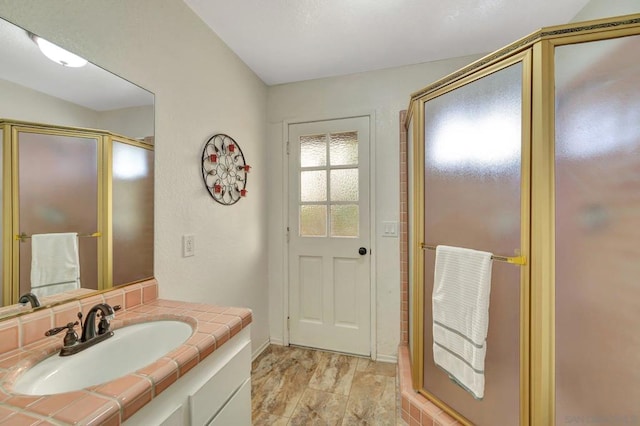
[76, 158]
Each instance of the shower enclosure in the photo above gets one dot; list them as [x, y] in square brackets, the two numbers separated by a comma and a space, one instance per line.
[533, 153]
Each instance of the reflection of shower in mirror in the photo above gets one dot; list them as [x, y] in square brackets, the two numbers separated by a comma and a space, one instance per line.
[129, 163]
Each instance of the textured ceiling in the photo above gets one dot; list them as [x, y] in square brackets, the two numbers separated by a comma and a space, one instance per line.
[292, 40]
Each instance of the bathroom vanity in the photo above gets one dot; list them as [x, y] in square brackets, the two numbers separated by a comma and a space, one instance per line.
[203, 381]
[217, 391]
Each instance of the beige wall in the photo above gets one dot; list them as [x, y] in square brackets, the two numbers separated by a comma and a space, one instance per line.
[201, 88]
[135, 122]
[21, 103]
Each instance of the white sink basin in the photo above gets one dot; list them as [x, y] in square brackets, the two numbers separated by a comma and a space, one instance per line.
[128, 350]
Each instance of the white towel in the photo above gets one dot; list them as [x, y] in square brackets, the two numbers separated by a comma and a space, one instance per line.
[460, 302]
[55, 263]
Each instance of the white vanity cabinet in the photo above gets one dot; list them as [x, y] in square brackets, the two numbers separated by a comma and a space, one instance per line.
[217, 391]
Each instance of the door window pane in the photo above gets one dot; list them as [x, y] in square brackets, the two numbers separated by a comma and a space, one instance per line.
[333, 186]
[313, 221]
[344, 220]
[313, 186]
[313, 151]
[344, 185]
[343, 149]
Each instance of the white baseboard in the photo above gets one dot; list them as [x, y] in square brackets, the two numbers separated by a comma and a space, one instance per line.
[259, 350]
[277, 341]
[392, 359]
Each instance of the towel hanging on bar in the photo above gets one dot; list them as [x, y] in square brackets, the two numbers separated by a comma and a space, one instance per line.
[460, 308]
[24, 236]
[517, 260]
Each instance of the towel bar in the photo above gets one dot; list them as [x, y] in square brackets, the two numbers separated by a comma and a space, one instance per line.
[24, 236]
[517, 260]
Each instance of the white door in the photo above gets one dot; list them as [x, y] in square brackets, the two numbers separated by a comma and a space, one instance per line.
[329, 242]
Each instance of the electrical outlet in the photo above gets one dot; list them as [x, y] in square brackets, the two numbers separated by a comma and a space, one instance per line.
[188, 245]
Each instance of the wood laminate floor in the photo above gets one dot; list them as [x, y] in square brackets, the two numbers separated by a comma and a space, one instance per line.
[300, 386]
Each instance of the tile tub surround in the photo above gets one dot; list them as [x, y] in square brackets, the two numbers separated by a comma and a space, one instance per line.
[113, 402]
[416, 409]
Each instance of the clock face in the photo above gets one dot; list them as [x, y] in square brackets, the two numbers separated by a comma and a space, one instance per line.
[224, 169]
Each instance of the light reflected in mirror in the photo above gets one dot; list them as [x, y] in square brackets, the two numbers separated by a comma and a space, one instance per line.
[35, 89]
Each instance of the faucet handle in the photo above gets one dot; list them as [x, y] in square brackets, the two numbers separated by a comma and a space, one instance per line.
[56, 330]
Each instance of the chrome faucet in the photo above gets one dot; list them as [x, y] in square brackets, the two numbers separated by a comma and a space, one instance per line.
[29, 298]
[90, 335]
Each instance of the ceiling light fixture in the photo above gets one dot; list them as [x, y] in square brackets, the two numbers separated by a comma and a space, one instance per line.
[58, 54]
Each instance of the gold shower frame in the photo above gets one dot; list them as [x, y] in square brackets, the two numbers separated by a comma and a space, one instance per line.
[537, 277]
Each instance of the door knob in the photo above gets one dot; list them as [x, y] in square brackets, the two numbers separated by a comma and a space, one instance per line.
[362, 251]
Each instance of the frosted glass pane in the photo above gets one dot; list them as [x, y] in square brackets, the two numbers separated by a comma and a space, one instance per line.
[1, 227]
[344, 220]
[132, 213]
[597, 231]
[313, 151]
[472, 199]
[313, 186]
[343, 149]
[313, 221]
[344, 185]
[58, 186]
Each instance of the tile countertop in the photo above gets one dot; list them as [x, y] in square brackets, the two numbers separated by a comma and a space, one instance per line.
[113, 402]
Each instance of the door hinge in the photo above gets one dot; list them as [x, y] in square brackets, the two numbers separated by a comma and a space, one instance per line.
[288, 324]
[288, 235]
[287, 147]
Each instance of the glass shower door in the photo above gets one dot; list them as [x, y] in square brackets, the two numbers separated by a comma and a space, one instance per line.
[472, 193]
[132, 212]
[58, 192]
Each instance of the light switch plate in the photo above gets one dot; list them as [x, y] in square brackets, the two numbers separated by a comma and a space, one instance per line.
[188, 245]
[390, 229]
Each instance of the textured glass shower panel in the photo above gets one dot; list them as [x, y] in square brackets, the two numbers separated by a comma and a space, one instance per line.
[132, 213]
[1, 217]
[597, 231]
[58, 191]
[472, 199]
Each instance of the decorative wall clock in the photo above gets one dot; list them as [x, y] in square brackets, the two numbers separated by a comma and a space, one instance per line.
[224, 169]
